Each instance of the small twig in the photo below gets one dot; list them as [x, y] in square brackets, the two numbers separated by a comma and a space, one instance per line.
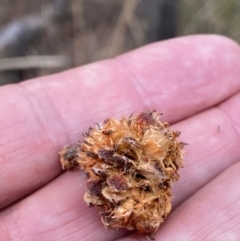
[78, 23]
[38, 62]
[119, 31]
[205, 10]
[137, 31]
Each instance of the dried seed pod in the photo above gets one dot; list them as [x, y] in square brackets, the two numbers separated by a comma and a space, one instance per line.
[131, 165]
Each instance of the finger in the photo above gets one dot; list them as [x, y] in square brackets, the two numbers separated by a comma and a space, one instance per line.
[56, 212]
[53, 111]
[209, 153]
[213, 146]
[70, 219]
[232, 108]
[213, 213]
[183, 76]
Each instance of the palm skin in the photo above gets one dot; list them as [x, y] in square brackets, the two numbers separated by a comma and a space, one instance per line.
[194, 81]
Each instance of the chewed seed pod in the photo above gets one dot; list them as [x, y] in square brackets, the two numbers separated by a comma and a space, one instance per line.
[130, 165]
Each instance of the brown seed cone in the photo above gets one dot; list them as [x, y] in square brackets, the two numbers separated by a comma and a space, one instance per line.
[130, 165]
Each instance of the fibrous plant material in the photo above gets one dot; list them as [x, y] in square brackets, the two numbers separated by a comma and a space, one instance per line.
[130, 165]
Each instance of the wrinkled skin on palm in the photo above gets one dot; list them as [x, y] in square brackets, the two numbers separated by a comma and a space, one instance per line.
[131, 165]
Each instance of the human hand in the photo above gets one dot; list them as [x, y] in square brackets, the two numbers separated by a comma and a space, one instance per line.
[194, 81]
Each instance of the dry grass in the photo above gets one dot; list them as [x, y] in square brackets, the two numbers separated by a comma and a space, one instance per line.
[210, 16]
[89, 30]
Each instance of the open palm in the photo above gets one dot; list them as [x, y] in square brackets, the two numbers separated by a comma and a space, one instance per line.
[194, 81]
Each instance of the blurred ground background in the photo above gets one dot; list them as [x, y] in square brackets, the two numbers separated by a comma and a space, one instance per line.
[46, 36]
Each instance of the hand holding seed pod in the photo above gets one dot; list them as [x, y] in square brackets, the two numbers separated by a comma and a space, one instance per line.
[131, 165]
